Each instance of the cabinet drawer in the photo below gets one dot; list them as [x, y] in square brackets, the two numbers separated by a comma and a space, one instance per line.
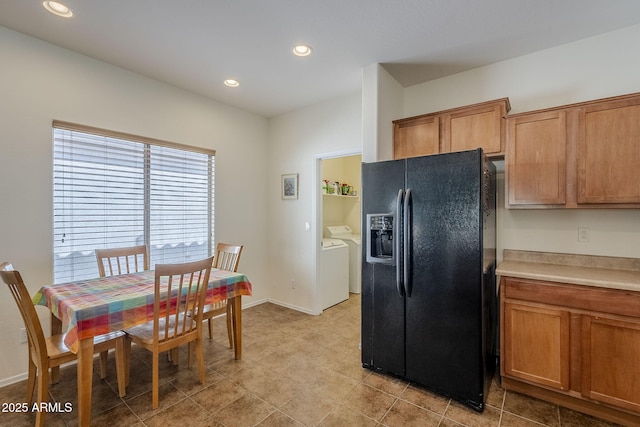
[613, 301]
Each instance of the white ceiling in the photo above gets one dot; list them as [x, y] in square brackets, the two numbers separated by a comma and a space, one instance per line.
[196, 44]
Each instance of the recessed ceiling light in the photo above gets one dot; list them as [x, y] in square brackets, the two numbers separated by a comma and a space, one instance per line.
[231, 83]
[302, 50]
[58, 9]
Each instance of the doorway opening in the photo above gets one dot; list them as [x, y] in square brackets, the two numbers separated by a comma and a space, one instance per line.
[338, 213]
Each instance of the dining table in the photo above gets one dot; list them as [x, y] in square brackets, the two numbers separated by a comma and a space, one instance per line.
[87, 308]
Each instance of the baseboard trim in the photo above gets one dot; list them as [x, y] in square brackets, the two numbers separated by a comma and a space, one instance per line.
[15, 379]
[292, 307]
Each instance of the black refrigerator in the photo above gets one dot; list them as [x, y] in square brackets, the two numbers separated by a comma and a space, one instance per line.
[428, 281]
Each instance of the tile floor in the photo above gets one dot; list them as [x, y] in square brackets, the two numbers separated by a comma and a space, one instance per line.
[296, 370]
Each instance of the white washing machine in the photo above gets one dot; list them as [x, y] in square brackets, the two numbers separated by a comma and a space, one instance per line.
[344, 233]
[334, 262]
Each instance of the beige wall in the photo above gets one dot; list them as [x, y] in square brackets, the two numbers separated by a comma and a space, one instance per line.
[297, 143]
[382, 102]
[39, 83]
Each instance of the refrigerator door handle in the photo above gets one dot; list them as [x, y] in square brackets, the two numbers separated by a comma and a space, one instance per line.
[406, 239]
[398, 242]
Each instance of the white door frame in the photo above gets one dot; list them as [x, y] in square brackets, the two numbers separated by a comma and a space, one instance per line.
[317, 217]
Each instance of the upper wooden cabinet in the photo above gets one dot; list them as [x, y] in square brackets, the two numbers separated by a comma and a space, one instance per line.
[576, 156]
[476, 126]
[609, 152]
[459, 129]
[419, 136]
[537, 158]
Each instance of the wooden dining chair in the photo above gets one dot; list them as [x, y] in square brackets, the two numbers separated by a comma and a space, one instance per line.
[49, 352]
[116, 261]
[182, 289]
[226, 257]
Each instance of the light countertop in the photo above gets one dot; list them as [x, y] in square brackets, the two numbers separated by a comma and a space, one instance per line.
[587, 270]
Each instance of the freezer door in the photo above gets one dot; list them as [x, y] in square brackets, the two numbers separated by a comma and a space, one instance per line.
[444, 311]
[382, 305]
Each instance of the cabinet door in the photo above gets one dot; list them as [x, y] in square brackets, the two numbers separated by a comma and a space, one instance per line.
[472, 128]
[611, 361]
[416, 137]
[536, 345]
[536, 159]
[609, 152]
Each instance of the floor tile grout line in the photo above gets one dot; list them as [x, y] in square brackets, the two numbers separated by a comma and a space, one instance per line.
[388, 410]
[504, 397]
[442, 418]
[135, 414]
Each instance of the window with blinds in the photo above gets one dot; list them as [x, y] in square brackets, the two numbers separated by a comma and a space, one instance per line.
[115, 190]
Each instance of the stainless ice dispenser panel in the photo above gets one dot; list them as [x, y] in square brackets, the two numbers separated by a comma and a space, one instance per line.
[380, 241]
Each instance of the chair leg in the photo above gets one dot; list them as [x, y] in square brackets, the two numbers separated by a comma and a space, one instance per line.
[121, 366]
[103, 364]
[174, 356]
[189, 348]
[155, 382]
[200, 357]
[31, 381]
[43, 395]
[54, 375]
[127, 359]
[229, 326]
[210, 328]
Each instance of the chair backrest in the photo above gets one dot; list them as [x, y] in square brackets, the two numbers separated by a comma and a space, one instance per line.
[189, 281]
[227, 256]
[122, 260]
[35, 335]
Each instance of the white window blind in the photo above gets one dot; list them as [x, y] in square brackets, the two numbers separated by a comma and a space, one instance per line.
[115, 190]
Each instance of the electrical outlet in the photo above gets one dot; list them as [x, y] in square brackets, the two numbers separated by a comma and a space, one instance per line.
[584, 234]
[293, 283]
[23, 335]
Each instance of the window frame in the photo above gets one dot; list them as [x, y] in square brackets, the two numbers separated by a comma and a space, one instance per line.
[147, 169]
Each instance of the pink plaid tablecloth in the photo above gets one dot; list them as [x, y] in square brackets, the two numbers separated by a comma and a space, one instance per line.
[92, 307]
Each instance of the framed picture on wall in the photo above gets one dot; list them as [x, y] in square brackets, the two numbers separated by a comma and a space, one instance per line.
[290, 186]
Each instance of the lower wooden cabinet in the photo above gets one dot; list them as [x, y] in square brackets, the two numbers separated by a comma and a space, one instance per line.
[577, 346]
[611, 361]
[538, 348]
